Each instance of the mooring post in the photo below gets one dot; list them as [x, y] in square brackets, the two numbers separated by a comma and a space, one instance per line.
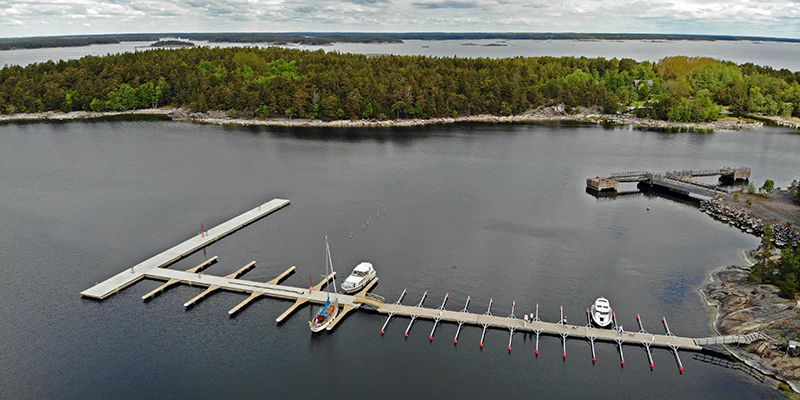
[439, 318]
[391, 314]
[460, 321]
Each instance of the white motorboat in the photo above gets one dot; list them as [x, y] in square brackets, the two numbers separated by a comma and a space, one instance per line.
[601, 313]
[331, 308]
[362, 275]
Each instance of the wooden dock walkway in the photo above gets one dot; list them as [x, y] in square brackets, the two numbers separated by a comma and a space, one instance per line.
[154, 268]
[550, 328]
[172, 255]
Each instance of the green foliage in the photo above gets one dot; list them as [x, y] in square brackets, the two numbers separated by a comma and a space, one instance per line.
[784, 273]
[769, 186]
[310, 84]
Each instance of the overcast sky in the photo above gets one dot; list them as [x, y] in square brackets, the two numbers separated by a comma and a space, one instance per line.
[772, 18]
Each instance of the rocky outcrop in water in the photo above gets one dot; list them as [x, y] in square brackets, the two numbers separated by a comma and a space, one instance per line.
[744, 308]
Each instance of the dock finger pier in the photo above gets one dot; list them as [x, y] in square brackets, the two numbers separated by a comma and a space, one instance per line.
[156, 267]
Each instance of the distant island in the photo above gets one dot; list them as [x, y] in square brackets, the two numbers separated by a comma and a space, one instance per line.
[327, 38]
[172, 43]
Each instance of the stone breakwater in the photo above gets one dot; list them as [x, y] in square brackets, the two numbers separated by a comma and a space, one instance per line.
[745, 221]
[744, 308]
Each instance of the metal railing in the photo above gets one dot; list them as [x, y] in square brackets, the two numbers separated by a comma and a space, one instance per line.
[732, 339]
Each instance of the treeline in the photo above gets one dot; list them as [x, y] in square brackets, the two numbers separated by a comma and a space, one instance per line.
[782, 271]
[278, 82]
[59, 41]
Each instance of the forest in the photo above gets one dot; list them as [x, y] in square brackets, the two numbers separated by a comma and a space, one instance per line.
[279, 82]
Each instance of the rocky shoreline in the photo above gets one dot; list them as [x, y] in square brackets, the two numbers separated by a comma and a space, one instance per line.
[541, 114]
[744, 308]
[750, 221]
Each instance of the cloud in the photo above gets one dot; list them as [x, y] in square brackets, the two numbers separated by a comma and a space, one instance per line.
[446, 4]
[372, 2]
[727, 17]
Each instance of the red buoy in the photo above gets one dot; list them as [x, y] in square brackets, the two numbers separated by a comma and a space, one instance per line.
[564, 355]
[455, 341]
[680, 369]
[537, 352]
[382, 332]
[622, 362]
[594, 359]
[406, 334]
[481, 344]
[430, 337]
[509, 348]
[652, 365]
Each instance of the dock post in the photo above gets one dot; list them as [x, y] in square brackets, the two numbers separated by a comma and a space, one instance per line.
[677, 357]
[485, 326]
[538, 332]
[512, 328]
[488, 313]
[414, 317]
[435, 319]
[621, 354]
[666, 326]
[649, 356]
[641, 328]
[461, 321]
[391, 314]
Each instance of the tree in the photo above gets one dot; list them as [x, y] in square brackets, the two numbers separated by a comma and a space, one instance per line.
[763, 270]
[769, 186]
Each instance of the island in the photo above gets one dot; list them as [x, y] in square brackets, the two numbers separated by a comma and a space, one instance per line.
[278, 86]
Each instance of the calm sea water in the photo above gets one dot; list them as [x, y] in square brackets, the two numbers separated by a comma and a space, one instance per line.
[775, 54]
[488, 211]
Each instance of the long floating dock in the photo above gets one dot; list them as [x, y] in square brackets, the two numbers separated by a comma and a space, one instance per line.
[172, 255]
[155, 268]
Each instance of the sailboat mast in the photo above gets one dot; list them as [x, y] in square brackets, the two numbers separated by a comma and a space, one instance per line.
[329, 261]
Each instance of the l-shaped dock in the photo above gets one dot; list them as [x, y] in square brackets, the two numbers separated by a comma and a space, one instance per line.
[156, 268]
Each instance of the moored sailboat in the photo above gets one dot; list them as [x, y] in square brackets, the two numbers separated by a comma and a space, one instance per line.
[331, 308]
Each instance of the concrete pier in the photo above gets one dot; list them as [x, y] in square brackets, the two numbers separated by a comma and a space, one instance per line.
[677, 181]
[173, 254]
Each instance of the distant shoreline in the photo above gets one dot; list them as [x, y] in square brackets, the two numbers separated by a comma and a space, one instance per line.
[327, 38]
[541, 114]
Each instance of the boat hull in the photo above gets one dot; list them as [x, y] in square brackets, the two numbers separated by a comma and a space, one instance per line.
[363, 283]
[332, 312]
[601, 314]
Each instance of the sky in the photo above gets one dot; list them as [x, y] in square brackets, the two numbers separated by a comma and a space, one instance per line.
[769, 18]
